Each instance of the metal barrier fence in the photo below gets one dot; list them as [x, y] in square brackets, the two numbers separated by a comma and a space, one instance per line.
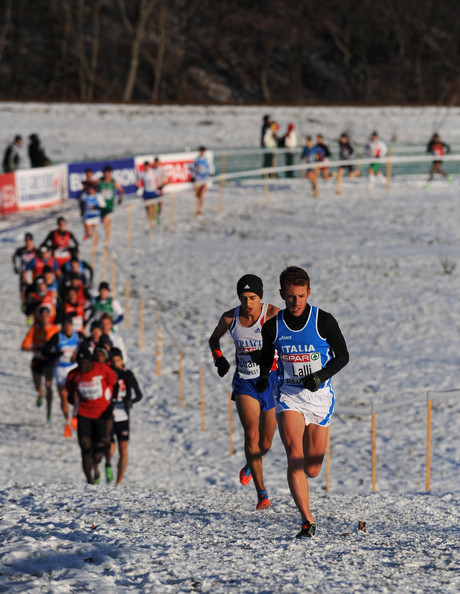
[406, 160]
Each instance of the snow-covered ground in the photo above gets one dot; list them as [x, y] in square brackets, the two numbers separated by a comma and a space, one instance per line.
[181, 522]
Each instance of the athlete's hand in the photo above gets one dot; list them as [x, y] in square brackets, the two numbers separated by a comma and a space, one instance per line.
[262, 383]
[128, 403]
[256, 356]
[222, 366]
[312, 382]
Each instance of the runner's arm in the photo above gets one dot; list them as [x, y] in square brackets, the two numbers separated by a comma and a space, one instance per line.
[214, 342]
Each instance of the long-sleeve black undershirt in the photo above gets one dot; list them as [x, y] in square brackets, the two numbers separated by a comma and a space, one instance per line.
[328, 328]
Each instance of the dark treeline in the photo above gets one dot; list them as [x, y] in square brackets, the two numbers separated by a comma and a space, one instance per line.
[230, 51]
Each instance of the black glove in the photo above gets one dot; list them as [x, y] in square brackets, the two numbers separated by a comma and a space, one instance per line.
[312, 382]
[120, 200]
[262, 383]
[128, 403]
[222, 366]
[256, 356]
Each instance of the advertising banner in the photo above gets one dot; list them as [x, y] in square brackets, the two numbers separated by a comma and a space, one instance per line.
[123, 172]
[178, 167]
[8, 194]
[41, 187]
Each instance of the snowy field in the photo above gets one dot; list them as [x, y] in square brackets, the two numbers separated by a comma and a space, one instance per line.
[380, 263]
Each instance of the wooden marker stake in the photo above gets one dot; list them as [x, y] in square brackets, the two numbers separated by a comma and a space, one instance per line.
[171, 212]
[203, 424]
[127, 294]
[141, 324]
[159, 355]
[181, 377]
[129, 208]
[94, 250]
[428, 446]
[230, 424]
[374, 470]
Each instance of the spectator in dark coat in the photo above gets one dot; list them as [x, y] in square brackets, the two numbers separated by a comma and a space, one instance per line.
[37, 154]
[12, 156]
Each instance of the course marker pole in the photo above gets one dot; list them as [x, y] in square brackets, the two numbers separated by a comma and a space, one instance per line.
[374, 472]
[230, 424]
[390, 152]
[171, 212]
[428, 443]
[113, 283]
[141, 323]
[181, 377]
[127, 293]
[222, 184]
[130, 226]
[203, 424]
[159, 347]
[94, 250]
[105, 254]
[266, 188]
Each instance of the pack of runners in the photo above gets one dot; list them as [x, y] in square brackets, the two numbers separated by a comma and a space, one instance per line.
[74, 341]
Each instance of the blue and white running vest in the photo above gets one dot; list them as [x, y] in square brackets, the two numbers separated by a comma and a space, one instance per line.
[247, 340]
[67, 345]
[300, 352]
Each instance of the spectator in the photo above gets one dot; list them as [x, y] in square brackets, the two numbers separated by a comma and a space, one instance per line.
[270, 141]
[266, 123]
[37, 154]
[290, 142]
[12, 156]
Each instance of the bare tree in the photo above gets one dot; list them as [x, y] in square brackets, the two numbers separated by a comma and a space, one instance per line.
[6, 25]
[136, 31]
[160, 52]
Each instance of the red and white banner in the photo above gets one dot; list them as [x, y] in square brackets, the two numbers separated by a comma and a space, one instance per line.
[178, 167]
[8, 194]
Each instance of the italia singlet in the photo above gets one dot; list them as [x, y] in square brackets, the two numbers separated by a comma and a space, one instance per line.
[247, 340]
[300, 353]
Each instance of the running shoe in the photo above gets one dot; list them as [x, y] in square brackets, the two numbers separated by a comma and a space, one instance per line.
[68, 430]
[308, 530]
[109, 474]
[74, 423]
[245, 475]
[49, 419]
[39, 400]
[263, 500]
[97, 478]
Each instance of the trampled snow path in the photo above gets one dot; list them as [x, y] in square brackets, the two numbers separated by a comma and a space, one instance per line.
[71, 538]
[182, 522]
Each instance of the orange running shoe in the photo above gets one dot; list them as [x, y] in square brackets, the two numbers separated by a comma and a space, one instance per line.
[245, 475]
[74, 423]
[264, 501]
[68, 430]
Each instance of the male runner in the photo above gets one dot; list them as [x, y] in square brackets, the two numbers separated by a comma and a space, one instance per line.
[63, 347]
[92, 387]
[256, 411]
[128, 394]
[311, 349]
[41, 366]
[109, 189]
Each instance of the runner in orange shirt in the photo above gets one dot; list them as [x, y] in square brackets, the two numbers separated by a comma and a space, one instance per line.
[42, 366]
